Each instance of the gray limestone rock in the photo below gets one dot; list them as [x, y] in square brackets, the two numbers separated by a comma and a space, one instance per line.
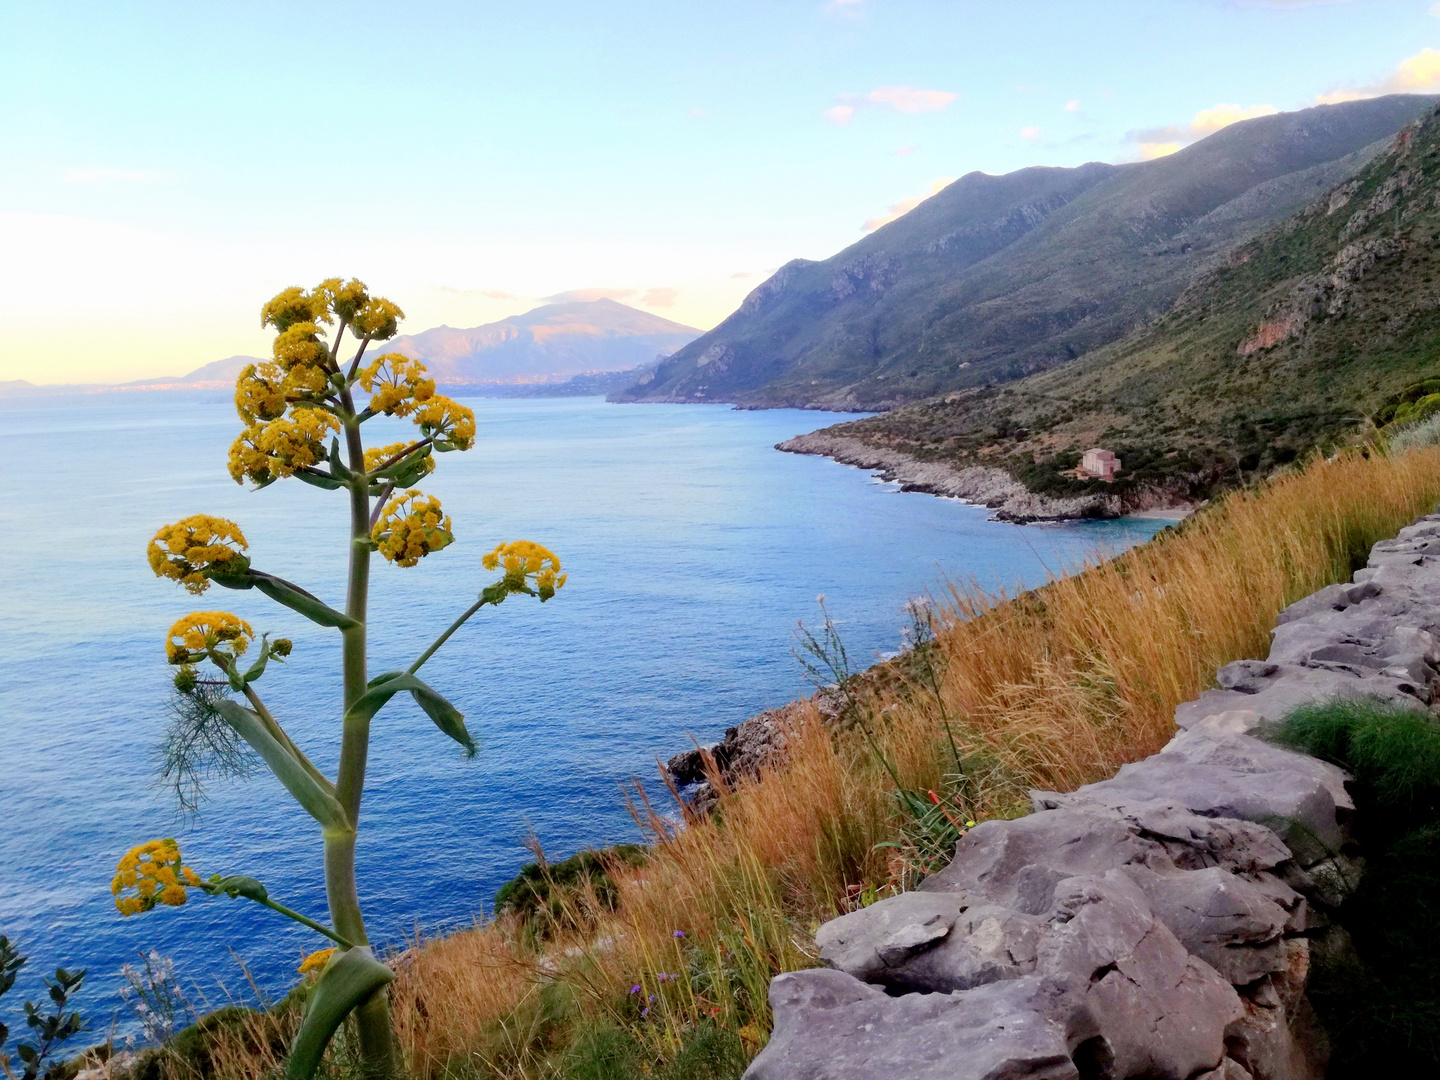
[930, 943]
[830, 1026]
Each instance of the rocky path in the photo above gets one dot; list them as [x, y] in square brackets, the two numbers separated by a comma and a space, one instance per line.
[1157, 924]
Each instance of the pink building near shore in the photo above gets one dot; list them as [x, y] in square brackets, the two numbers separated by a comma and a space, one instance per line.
[1099, 464]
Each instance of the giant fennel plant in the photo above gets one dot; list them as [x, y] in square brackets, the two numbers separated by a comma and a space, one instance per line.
[303, 414]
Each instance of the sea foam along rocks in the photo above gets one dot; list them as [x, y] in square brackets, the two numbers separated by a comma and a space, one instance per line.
[1155, 924]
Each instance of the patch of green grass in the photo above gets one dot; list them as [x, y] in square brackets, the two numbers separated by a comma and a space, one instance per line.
[1380, 1002]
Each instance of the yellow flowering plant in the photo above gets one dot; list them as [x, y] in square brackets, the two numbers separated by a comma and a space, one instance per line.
[303, 415]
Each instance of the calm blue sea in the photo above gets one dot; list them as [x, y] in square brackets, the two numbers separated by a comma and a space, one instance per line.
[693, 548]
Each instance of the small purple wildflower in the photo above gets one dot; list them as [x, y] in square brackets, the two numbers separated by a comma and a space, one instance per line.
[635, 989]
[679, 933]
[644, 1012]
[652, 1000]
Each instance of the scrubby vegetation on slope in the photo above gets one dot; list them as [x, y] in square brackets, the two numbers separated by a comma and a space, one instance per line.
[1297, 341]
[1380, 1000]
[1053, 688]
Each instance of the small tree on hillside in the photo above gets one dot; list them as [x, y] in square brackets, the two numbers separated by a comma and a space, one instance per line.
[303, 414]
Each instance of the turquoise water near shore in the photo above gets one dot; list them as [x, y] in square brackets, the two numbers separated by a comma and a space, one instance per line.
[693, 547]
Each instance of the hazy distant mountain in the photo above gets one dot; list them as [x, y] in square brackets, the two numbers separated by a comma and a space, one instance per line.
[996, 277]
[222, 371]
[549, 344]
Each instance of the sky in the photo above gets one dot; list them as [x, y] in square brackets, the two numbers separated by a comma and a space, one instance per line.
[166, 167]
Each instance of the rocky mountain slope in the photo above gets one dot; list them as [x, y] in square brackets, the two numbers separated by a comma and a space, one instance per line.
[997, 277]
[1293, 342]
[548, 344]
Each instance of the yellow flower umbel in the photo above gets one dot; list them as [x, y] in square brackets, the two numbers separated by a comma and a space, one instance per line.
[300, 345]
[397, 385]
[528, 567]
[377, 320]
[266, 452]
[195, 546]
[151, 874]
[449, 423]
[315, 961]
[411, 527]
[260, 393]
[377, 456]
[212, 634]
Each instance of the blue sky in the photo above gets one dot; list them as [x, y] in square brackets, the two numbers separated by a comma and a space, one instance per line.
[165, 167]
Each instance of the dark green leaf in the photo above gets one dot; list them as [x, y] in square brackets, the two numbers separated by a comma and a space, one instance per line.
[383, 687]
[347, 982]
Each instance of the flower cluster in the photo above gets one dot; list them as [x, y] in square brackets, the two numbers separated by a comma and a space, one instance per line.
[397, 385]
[377, 320]
[190, 549]
[300, 345]
[200, 633]
[157, 875]
[528, 567]
[450, 424]
[295, 305]
[264, 453]
[260, 393]
[344, 298]
[411, 526]
[377, 456]
[315, 961]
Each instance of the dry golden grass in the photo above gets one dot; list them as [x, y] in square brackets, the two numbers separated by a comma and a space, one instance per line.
[1053, 689]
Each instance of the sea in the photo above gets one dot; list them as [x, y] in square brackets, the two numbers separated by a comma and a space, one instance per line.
[694, 550]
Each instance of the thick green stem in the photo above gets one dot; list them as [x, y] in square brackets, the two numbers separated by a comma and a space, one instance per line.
[377, 1040]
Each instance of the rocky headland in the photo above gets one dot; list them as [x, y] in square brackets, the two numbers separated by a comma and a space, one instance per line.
[981, 484]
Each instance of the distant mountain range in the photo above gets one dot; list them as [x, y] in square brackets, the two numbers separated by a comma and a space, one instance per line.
[1296, 340]
[998, 277]
[584, 347]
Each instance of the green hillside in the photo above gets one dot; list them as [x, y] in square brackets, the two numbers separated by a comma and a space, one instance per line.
[1298, 339]
[998, 277]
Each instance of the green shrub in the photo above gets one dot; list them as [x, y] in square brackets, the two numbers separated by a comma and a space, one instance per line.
[1380, 1002]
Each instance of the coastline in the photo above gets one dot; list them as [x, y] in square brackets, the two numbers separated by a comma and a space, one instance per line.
[982, 484]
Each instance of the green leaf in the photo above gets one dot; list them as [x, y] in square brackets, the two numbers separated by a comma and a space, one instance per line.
[297, 599]
[236, 885]
[317, 479]
[258, 668]
[346, 983]
[448, 719]
[319, 803]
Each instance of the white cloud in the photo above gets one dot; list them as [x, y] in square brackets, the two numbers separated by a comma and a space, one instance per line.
[96, 177]
[1416, 74]
[476, 294]
[1158, 142]
[904, 206]
[587, 295]
[1152, 150]
[1435, 10]
[660, 297]
[903, 151]
[901, 99]
[695, 112]
[1030, 134]
[1072, 106]
[910, 99]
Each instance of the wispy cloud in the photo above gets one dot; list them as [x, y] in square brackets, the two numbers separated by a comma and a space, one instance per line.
[904, 206]
[903, 151]
[587, 295]
[660, 297]
[97, 177]
[901, 99]
[1159, 142]
[1416, 74]
[1072, 106]
[477, 294]
[1031, 134]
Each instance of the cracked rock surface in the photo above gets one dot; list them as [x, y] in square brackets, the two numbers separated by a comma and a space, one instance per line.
[1156, 924]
